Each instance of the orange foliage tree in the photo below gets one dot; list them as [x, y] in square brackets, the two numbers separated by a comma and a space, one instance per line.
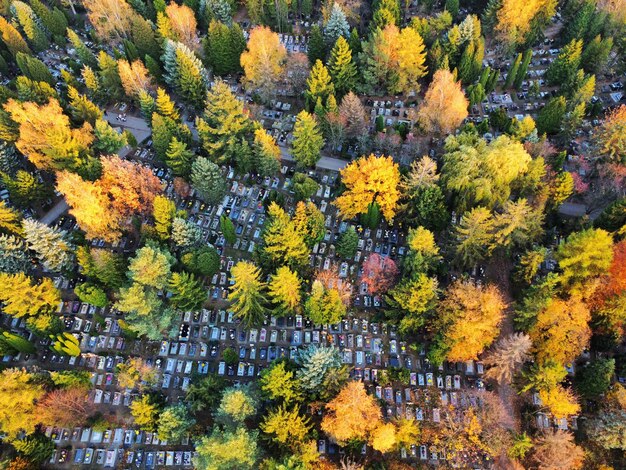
[67, 408]
[379, 273]
[444, 106]
[183, 24]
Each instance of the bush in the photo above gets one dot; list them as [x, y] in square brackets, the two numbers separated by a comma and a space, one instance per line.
[230, 356]
[203, 261]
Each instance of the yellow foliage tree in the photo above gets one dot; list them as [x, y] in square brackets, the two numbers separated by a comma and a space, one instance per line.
[368, 180]
[112, 19]
[515, 17]
[183, 24]
[353, 414]
[46, 137]
[469, 316]
[383, 438]
[561, 330]
[286, 427]
[560, 401]
[135, 77]
[23, 296]
[263, 61]
[444, 106]
[284, 289]
[284, 243]
[18, 395]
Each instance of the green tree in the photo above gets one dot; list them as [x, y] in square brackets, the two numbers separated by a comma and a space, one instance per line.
[9, 219]
[324, 306]
[279, 383]
[411, 302]
[266, 153]
[174, 422]
[307, 140]
[596, 54]
[594, 379]
[226, 450]
[284, 290]
[608, 428]
[247, 296]
[109, 76]
[185, 73]
[348, 243]
[108, 140]
[72, 379]
[207, 179]
[512, 75]
[31, 26]
[474, 235]
[205, 392]
[336, 26]
[17, 342]
[319, 85]
[65, 344]
[223, 46]
[150, 267]
[316, 48]
[91, 294]
[188, 294]
[523, 68]
[203, 261]
[103, 265]
[178, 157]
[284, 243]
[36, 447]
[303, 186]
[341, 67]
[24, 189]
[228, 229]
[315, 363]
[83, 53]
[564, 67]
[13, 254]
[34, 68]
[161, 135]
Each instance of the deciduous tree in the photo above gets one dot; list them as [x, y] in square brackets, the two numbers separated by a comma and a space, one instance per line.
[22, 296]
[284, 290]
[556, 449]
[263, 61]
[226, 450]
[444, 106]
[18, 395]
[68, 407]
[508, 355]
[379, 273]
[287, 427]
[280, 384]
[183, 23]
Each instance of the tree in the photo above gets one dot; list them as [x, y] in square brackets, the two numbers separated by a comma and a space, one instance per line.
[594, 379]
[185, 73]
[319, 84]
[336, 25]
[284, 290]
[14, 257]
[341, 67]
[395, 60]
[411, 301]
[284, 243]
[108, 140]
[207, 178]
[474, 235]
[551, 116]
[287, 427]
[24, 189]
[303, 186]
[561, 330]
[68, 407]
[150, 267]
[565, 66]
[353, 116]
[444, 106]
[379, 273]
[246, 295]
[518, 225]
[9, 219]
[82, 51]
[316, 48]
[508, 355]
[34, 68]
[179, 158]
[315, 363]
[556, 449]
[228, 229]
[16, 342]
[515, 19]
[423, 251]
[607, 428]
[596, 54]
[164, 211]
[223, 47]
[45, 136]
[18, 395]
[205, 392]
[584, 255]
[12, 38]
[226, 450]
[134, 77]
[325, 305]
[91, 294]
[145, 411]
[183, 23]
[107, 267]
[353, 414]
[22, 296]
[112, 19]
[31, 25]
[51, 245]
[174, 422]
[203, 261]
[309, 222]
[280, 384]
[188, 294]
[65, 344]
[224, 125]
[266, 153]
[307, 140]
[610, 136]
[369, 180]
[36, 447]
[469, 316]
[263, 61]
[236, 406]
[348, 243]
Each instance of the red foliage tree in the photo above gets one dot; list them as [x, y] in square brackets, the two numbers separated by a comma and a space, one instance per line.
[379, 273]
[66, 408]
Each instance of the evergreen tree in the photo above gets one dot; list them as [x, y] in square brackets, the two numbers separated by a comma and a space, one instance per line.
[307, 140]
[228, 229]
[551, 116]
[109, 76]
[143, 38]
[31, 26]
[316, 47]
[185, 234]
[523, 69]
[24, 189]
[188, 294]
[83, 53]
[92, 83]
[266, 152]
[341, 67]
[12, 38]
[50, 245]
[223, 46]
[185, 73]
[596, 54]
[219, 10]
[161, 136]
[512, 75]
[81, 108]
[54, 20]
[107, 140]
[566, 64]
[246, 297]
[337, 25]
[178, 157]
[319, 85]
[9, 219]
[13, 257]
[452, 7]
[165, 106]
[207, 179]
[34, 69]
[8, 158]
[164, 211]
[348, 243]
[147, 104]
[39, 92]
[153, 67]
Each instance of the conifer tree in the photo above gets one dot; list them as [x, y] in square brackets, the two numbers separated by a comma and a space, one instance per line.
[165, 106]
[161, 135]
[29, 90]
[24, 189]
[147, 104]
[564, 67]
[54, 20]
[9, 219]
[596, 54]
[50, 245]
[523, 68]
[188, 293]
[108, 141]
[178, 157]
[92, 83]
[34, 69]
[185, 234]
[266, 152]
[223, 47]
[316, 48]
[144, 38]
[207, 179]
[307, 140]
[185, 73]
[246, 297]
[319, 85]
[12, 38]
[24, 296]
[83, 53]
[510, 78]
[81, 108]
[341, 67]
[551, 116]
[336, 26]
[29, 22]
[109, 76]
[13, 257]
[164, 211]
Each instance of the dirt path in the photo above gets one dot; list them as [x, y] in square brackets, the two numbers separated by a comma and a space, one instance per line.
[498, 272]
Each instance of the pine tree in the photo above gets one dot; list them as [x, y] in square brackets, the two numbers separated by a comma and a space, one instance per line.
[596, 54]
[246, 297]
[185, 234]
[34, 69]
[307, 140]
[54, 20]
[551, 116]
[39, 92]
[165, 106]
[147, 104]
[30, 25]
[337, 25]
[24, 189]
[92, 83]
[161, 136]
[178, 157]
[51, 245]
[109, 76]
[143, 37]
[185, 73]
[341, 67]
[523, 69]
[12, 38]
[13, 257]
[108, 140]
[566, 64]
[319, 84]
[81, 108]
[316, 48]
[223, 47]
[83, 53]
[153, 67]
[510, 78]
[266, 152]
[207, 179]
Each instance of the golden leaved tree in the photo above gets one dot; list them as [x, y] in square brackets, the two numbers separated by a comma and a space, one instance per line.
[368, 180]
[444, 106]
[263, 61]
